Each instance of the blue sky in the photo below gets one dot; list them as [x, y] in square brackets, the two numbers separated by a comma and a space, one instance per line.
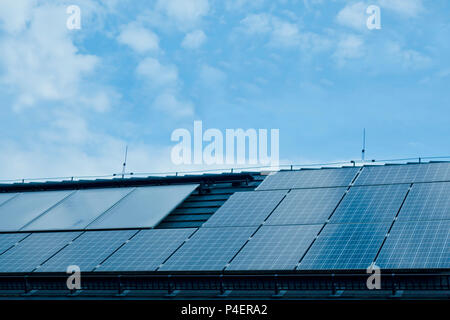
[137, 70]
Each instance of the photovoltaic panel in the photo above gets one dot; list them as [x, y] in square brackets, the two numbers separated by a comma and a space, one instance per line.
[20, 210]
[245, 209]
[7, 240]
[409, 173]
[416, 245]
[146, 251]
[309, 178]
[144, 207]
[427, 201]
[345, 246]
[275, 248]
[306, 206]
[370, 204]
[6, 196]
[34, 250]
[209, 249]
[79, 209]
[87, 251]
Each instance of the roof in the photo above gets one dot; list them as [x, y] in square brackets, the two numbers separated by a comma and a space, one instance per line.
[294, 233]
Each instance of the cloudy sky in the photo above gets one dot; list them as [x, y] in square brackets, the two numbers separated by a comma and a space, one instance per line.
[137, 70]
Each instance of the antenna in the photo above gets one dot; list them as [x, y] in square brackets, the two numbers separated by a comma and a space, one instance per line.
[363, 151]
[125, 162]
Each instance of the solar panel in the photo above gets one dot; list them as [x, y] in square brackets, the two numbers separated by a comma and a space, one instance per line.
[6, 196]
[306, 206]
[427, 201]
[78, 210]
[409, 173]
[275, 248]
[7, 240]
[144, 207]
[246, 209]
[87, 251]
[370, 204]
[146, 251]
[22, 209]
[345, 246]
[416, 245]
[209, 249]
[312, 178]
[34, 250]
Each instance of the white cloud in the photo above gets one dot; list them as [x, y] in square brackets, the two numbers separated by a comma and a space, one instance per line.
[257, 23]
[408, 8]
[407, 58]
[156, 73]
[170, 104]
[353, 15]
[138, 38]
[194, 39]
[185, 13]
[14, 14]
[238, 5]
[40, 62]
[349, 47]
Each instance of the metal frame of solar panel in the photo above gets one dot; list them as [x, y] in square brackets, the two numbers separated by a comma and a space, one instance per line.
[246, 209]
[5, 197]
[306, 206]
[427, 201]
[417, 245]
[345, 247]
[34, 250]
[275, 248]
[309, 178]
[147, 250]
[404, 173]
[87, 251]
[209, 249]
[366, 204]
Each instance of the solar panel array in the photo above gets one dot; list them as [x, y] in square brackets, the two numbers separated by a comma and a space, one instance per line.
[345, 246]
[312, 178]
[246, 209]
[275, 248]
[397, 217]
[146, 251]
[306, 206]
[209, 249]
[34, 250]
[417, 244]
[87, 251]
[370, 204]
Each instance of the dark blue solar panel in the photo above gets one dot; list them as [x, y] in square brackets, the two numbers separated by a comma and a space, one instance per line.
[409, 173]
[427, 201]
[34, 250]
[417, 245]
[370, 204]
[7, 240]
[209, 249]
[246, 209]
[146, 251]
[345, 246]
[87, 251]
[314, 178]
[275, 248]
[306, 206]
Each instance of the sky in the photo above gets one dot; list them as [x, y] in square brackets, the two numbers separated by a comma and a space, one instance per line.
[72, 99]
